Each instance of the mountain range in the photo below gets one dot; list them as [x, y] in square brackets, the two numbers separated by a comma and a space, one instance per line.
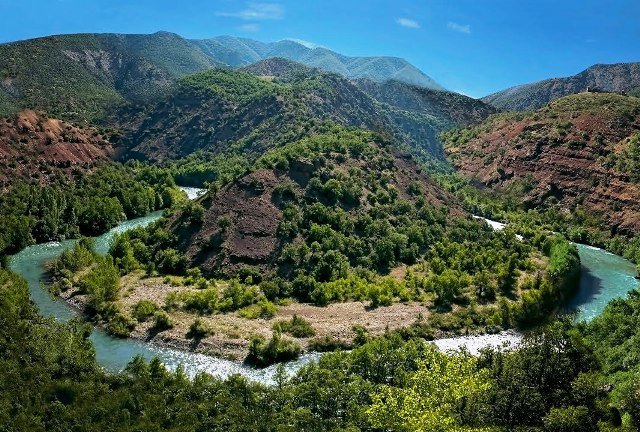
[236, 52]
[83, 76]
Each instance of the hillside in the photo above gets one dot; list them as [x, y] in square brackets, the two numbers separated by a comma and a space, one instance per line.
[620, 77]
[35, 148]
[336, 230]
[86, 76]
[83, 76]
[238, 52]
[339, 169]
[581, 151]
[221, 110]
[452, 108]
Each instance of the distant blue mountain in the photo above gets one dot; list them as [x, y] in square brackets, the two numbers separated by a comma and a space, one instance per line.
[237, 52]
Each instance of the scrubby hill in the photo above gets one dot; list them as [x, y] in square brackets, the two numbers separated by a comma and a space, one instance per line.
[344, 217]
[251, 220]
[450, 108]
[581, 151]
[34, 147]
[220, 110]
[619, 77]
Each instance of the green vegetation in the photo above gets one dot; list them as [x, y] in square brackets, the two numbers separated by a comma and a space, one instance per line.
[296, 327]
[553, 382]
[275, 350]
[198, 330]
[53, 74]
[347, 227]
[89, 205]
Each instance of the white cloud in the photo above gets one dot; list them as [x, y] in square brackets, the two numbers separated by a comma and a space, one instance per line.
[250, 28]
[257, 12]
[407, 22]
[459, 27]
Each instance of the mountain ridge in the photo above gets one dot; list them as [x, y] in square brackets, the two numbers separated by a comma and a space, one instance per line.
[613, 77]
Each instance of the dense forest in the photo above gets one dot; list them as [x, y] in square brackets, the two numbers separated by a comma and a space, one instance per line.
[88, 204]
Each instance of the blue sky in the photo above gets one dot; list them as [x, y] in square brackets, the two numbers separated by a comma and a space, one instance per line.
[471, 46]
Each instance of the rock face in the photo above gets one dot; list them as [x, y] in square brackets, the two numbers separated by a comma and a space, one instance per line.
[620, 77]
[37, 147]
[574, 153]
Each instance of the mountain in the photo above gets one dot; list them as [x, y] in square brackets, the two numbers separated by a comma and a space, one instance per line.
[238, 52]
[579, 152]
[619, 77]
[86, 77]
[452, 108]
[222, 110]
[83, 76]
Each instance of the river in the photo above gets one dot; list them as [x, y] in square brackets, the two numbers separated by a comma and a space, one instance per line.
[604, 276]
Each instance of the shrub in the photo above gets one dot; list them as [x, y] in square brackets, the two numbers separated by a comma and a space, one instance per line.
[162, 321]
[297, 327]
[102, 283]
[144, 309]
[120, 325]
[568, 419]
[262, 353]
[198, 330]
[263, 309]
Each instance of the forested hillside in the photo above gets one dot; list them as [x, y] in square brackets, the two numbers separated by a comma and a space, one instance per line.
[341, 217]
[222, 110]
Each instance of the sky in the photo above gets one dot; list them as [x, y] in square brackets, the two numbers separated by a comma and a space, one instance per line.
[475, 47]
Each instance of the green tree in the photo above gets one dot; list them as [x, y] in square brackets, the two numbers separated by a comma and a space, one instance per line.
[426, 403]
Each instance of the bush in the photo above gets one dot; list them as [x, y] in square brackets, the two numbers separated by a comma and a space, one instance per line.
[120, 325]
[263, 309]
[297, 327]
[198, 330]
[570, 419]
[144, 309]
[262, 353]
[102, 283]
[162, 321]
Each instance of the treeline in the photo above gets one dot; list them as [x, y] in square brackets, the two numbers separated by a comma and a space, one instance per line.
[562, 378]
[89, 204]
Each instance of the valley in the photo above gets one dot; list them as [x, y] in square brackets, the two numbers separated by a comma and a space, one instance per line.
[223, 233]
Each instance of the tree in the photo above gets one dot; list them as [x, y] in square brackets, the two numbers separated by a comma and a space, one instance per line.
[428, 400]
